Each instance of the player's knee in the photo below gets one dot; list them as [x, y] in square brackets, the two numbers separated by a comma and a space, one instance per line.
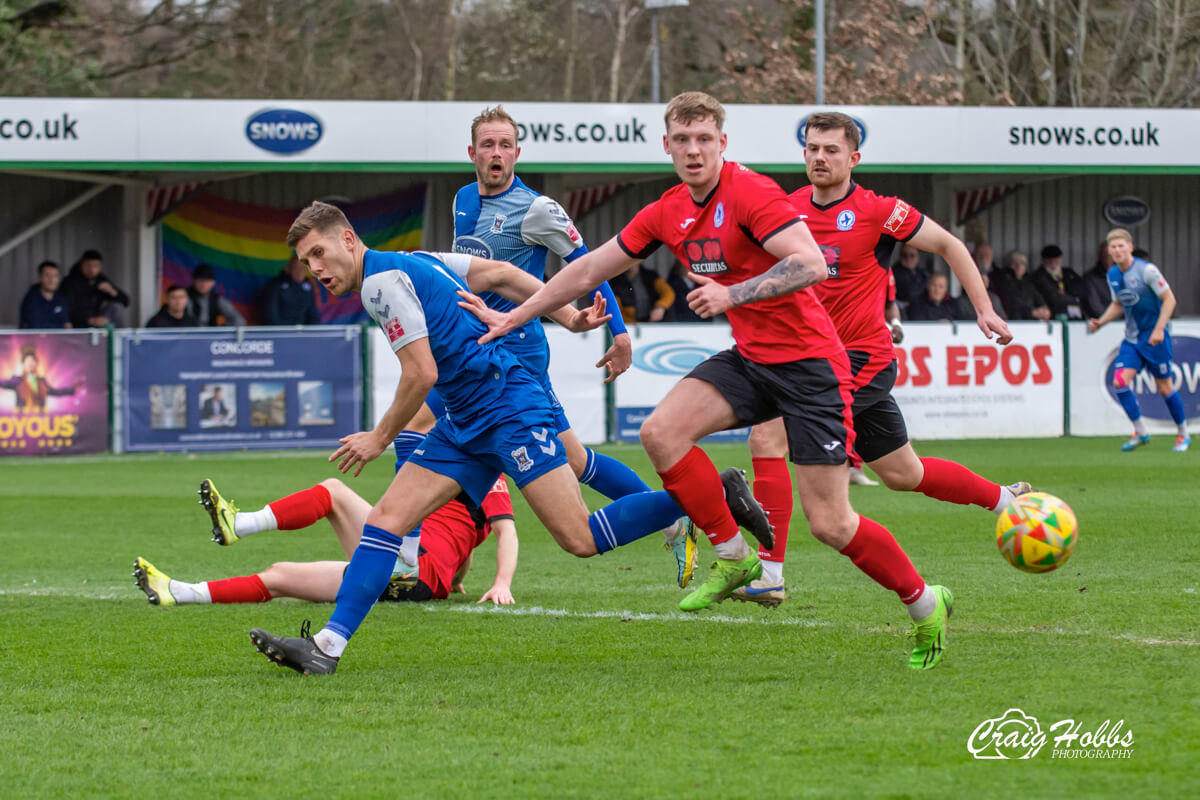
[768, 441]
[1119, 381]
[899, 481]
[579, 548]
[334, 486]
[832, 528]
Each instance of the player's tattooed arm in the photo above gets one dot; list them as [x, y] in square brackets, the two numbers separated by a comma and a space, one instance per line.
[788, 275]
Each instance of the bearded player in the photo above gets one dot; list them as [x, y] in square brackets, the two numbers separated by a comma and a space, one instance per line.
[857, 231]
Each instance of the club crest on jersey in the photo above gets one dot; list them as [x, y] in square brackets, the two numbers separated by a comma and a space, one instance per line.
[393, 329]
[845, 220]
[524, 462]
[719, 215]
[705, 256]
[498, 223]
[832, 258]
[899, 214]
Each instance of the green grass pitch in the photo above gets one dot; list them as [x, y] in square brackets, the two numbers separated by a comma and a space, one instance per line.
[594, 685]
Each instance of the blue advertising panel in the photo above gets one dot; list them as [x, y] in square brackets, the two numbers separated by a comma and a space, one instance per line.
[221, 390]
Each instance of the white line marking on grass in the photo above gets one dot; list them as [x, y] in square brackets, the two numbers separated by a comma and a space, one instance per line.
[631, 616]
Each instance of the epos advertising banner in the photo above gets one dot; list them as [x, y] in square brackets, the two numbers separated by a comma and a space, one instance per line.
[1094, 407]
[224, 391]
[662, 355]
[53, 393]
[952, 383]
[577, 382]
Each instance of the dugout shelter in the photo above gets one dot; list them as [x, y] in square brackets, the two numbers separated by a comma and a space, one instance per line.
[77, 174]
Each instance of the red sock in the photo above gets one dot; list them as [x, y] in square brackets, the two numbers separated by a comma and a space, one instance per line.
[773, 488]
[245, 589]
[695, 485]
[876, 552]
[953, 483]
[302, 509]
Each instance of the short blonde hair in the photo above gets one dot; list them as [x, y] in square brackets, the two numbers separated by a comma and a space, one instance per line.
[1119, 233]
[688, 107]
[317, 216]
[497, 114]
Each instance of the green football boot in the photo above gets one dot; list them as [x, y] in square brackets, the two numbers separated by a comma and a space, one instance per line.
[223, 513]
[154, 583]
[682, 544]
[726, 575]
[930, 632]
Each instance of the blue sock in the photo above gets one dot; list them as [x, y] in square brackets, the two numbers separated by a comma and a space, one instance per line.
[365, 579]
[1175, 406]
[1128, 401]
[630, 518]
[610, 477]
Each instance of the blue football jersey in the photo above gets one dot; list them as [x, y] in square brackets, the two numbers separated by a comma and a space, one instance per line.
[519, 226]
[414, 295]
[1139, 290]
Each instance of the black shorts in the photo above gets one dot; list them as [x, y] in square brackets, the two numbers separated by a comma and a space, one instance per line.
[810, 395]
[878, 424]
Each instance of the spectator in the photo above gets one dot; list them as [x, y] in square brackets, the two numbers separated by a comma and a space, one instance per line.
[911, 277]
[643, 295]
[43, 305]
[1094, 293]
[208, 307]
[935, 303]
[1021, 298]
[967, 311]
[682, 285]
[93, 300]
[288, 298]
[1055, 283]
[174, 312]
[985, 260]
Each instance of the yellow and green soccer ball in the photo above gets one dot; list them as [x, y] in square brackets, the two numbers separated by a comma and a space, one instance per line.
[1037, 532]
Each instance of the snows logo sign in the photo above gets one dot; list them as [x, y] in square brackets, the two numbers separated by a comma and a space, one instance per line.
[1016, 735]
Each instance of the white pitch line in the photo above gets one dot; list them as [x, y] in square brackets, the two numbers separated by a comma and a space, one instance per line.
[130, 593]
[631, 616]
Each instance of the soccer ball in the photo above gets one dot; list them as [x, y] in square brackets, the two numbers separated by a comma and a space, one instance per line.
[1037, 532]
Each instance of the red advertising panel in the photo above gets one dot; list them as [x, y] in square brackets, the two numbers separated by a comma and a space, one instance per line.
[53, 393]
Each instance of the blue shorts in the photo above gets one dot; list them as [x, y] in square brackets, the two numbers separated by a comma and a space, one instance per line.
[536, 359]
[561, 423]
[1155, 358]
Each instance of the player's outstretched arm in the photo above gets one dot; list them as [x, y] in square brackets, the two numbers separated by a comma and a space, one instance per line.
[1114, 310]
[506, 563]
[513, 283]
[933, 238]
[418, 375]
[574, 280]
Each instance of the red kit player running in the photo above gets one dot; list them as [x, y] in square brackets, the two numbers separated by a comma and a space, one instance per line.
[857, 231]
[755, 260]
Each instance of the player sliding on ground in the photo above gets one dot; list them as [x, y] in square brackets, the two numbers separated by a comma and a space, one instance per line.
[755, 260]
[1141, 293]
[449, 536]
[857, 230]
[498, 419]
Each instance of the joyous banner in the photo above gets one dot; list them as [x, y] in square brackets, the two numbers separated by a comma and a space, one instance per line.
[245, 244]
[56, 398]
[217, 391]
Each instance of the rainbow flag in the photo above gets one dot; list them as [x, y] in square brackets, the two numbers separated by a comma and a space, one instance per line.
[245, 244]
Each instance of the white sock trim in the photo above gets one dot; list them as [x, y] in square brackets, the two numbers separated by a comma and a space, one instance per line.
[248, 522]
[330, 643]
[924, 605]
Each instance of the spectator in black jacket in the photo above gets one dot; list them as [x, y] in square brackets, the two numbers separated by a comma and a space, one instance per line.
[936, 303]
[289, 299]
[206, 305]
[174, 312]
[682, 285]
[1022, 300]
[1094, 294]
[911, 277]
[93, 300]
[1057, 284]
[43, 305]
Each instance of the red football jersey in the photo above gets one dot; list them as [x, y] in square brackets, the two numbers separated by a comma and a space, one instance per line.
[450, 534]
[857, 235]
[722, 239]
